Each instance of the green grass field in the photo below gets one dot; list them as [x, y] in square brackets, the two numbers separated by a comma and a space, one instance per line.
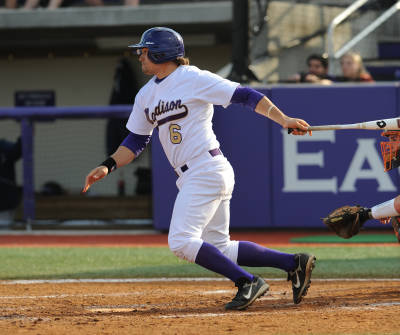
[140, 262]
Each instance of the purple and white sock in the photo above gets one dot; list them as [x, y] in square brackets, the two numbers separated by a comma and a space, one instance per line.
[252, 254]
[212, 259]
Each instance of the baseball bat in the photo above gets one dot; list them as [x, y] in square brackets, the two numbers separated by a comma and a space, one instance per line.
[387, 124]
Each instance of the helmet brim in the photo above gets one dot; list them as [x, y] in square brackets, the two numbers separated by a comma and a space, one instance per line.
[137, 46]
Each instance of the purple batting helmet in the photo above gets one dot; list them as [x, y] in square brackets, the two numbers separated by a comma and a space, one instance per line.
[164, 44]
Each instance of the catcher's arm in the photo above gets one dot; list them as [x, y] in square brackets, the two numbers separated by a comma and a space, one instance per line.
[346, 221]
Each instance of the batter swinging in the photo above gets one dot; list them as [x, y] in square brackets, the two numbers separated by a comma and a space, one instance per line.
[179, 100]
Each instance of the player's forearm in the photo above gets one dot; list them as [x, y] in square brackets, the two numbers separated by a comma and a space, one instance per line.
[267, 108]
[130, 148]
[123, 156]
[120, 158]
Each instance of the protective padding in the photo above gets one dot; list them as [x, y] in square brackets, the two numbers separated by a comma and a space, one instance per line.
[391, 150]
[164, 44]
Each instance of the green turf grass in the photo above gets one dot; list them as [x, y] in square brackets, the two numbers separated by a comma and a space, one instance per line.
[116, 262]
[362, 238]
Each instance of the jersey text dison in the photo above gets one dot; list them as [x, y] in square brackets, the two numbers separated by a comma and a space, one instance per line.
[165, 107]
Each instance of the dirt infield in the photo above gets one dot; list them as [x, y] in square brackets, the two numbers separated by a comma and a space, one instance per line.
[196, 307]
[162, 306]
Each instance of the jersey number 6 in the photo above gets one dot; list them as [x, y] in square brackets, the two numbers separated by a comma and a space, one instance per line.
[174, 134]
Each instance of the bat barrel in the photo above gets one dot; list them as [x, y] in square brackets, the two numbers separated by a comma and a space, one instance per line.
[335, 126]
[384, 124]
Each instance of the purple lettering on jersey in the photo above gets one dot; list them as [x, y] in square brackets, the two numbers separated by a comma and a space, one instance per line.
[165, 107]
[172, 117]
[146, 111]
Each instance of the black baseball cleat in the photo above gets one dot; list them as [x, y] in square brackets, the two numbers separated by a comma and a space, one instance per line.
[247, 292]
[301, 276]
[395, 221]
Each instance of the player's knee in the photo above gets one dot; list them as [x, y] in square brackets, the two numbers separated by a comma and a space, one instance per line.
[229, 249]
[184, 248]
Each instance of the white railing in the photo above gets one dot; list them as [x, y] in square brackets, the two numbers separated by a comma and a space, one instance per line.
[332, 55]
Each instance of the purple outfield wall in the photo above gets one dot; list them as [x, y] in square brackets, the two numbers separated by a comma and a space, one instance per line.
[293, 181]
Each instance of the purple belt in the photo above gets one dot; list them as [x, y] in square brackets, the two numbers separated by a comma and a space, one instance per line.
[212, 152]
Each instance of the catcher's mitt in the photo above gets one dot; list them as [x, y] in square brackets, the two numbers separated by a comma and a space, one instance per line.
[346, 221]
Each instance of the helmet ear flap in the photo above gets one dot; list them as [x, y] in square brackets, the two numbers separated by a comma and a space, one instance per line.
[150, 55]
[156, 57]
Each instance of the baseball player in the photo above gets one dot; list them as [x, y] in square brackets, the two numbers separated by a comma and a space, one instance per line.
[178, 100]
[347, 221]
[388, 209]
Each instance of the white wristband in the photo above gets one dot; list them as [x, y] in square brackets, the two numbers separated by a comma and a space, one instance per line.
[270, 109]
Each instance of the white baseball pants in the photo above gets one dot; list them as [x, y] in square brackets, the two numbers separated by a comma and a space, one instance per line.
[201, 210]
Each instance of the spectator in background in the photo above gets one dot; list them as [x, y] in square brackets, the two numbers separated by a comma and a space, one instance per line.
[49, 4]
[11, 4]
[317, 71]
[131, 2]
[54, 4]
[10, 194]
[353, 69]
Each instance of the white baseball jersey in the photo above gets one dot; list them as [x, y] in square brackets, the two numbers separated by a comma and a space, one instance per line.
[181, 106]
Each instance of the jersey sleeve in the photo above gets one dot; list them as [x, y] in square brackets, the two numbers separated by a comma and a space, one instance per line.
[137, 122]
[214, 89]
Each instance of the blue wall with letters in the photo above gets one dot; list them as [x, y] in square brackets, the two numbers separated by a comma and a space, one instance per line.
[292, 181]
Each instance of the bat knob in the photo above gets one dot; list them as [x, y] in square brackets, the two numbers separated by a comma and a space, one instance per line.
[290, 130]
